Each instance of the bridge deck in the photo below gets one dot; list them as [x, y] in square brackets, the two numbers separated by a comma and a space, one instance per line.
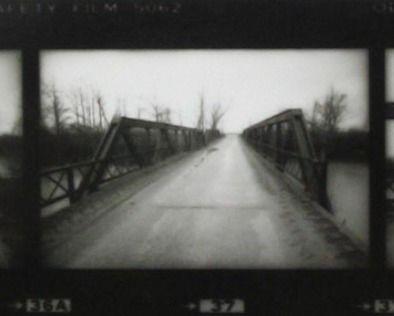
[220, 209]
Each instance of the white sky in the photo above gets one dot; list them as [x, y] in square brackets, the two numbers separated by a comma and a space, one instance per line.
[252, 84]
[10, 90]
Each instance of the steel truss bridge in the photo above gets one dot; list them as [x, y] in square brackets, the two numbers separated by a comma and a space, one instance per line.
[131, 144]
[128, 145]
[285, 141]
[224, 203]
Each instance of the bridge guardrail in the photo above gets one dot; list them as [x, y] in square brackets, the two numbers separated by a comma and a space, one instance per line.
[145, 142]
[285, 141]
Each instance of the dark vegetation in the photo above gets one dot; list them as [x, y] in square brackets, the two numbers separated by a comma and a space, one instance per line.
[72, 145]
[331, 142]
[11, 151]
[73, 124]
[11, 191]
[350, 145]
[10, 177]
[10, 197]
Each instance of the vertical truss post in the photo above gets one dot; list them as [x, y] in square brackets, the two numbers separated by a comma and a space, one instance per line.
[157, 153]
[279, 148]
[149, 154]
[198, 139]
[191, 140]
[95, 172]
[177, 140]
[167, 137]
[269, 136]
[307, 160]
[132, 149]
[263, 139]
[202, 137]
[185, 140]
[260, 139]
[71, 185]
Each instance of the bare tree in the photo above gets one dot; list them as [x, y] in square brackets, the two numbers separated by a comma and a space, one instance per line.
[87, 108]
[328, 115]
[54, 109]
[157, 112]
[217, 114]
[103, 120]
[161, 114]
[167, 115]
[325, 120]
[201, 115]
[79, 103]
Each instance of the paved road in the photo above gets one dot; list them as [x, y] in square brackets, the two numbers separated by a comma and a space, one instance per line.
[220, 209]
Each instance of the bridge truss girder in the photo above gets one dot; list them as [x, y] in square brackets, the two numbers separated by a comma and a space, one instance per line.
[284, 139]
[120, 128]
[141, 143]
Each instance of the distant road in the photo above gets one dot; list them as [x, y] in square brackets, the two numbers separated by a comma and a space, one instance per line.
[221, 209]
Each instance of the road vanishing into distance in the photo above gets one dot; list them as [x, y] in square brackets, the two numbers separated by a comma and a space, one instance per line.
[220, 207]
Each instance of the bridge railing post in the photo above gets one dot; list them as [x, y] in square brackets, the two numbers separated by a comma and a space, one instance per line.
[322, 169]
[71, 185]
[150, 152]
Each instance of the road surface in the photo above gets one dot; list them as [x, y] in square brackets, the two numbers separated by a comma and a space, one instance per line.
[222, 208]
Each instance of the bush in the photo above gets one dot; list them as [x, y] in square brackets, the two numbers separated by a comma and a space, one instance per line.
[10, 197]
[11, 151]
[343, 145]
[72, 145]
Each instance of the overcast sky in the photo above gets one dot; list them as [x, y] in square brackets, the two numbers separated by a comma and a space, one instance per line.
[10, 90]
[252, 84]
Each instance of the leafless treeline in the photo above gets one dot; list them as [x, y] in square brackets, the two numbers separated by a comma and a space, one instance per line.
[216, 114]
[328, 114]
[77, 108]
[82, 108]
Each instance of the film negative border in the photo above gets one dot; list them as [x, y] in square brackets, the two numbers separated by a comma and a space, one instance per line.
[273, 286]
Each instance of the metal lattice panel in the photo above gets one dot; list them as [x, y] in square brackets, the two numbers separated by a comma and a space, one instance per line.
[284, 140]
[128, 145]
